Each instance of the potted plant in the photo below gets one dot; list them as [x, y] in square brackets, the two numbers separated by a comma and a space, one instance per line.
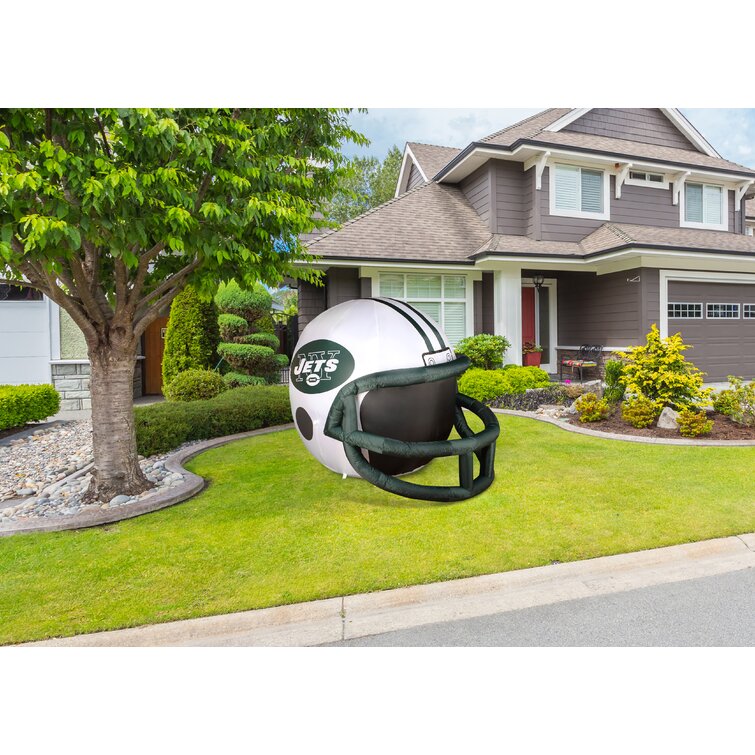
[531, 354]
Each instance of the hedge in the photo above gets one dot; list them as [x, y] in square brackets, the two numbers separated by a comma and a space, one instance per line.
[486, 385]
[21, 404]
[165, 426]
[194, 385]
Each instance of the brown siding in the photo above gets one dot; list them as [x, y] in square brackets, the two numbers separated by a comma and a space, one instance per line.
[511, 202]
[476, 188]
[557, 228]
[601, 309]
[487, 303]
[365, 288]
[311, 303]
[342, 284]
[646, 125]
[415, 178]
[477, 307]
[650, 291]
[644, 205]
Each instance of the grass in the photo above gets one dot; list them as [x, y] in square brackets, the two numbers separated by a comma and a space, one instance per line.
[275, 527]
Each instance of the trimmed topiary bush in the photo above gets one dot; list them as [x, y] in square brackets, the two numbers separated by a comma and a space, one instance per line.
[232, 327]
[250, 304]
[484, 351]
[239, 379]
[192, 336]
[163, 427]
[194, 385]
[21, 404]
[249, 358]
[262, 339]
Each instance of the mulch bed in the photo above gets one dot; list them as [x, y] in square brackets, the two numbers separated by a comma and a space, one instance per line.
[723, 428]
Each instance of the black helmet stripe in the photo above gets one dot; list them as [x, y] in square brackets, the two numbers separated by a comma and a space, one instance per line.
[406, 316]
[424, 325]
[441, 342]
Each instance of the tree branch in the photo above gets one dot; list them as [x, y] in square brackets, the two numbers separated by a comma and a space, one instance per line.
[166, 292]
[98, 121]
[91, 304]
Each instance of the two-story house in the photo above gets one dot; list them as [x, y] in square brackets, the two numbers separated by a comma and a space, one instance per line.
[573, 226]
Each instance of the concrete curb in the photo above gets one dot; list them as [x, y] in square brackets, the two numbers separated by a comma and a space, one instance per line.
[191, 485]
[629, 438]
[334, 619]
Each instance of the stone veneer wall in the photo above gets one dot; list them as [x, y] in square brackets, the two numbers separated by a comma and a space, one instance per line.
[71, 381]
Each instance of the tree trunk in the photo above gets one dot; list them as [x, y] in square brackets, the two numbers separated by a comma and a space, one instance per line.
[116, 463]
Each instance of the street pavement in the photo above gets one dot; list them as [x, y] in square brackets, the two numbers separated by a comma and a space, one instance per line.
[711, 611]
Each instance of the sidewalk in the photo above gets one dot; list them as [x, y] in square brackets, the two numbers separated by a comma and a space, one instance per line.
[322, 621]
[73, 416]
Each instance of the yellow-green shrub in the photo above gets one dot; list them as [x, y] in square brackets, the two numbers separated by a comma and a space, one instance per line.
[659, 372]
[640, 411]
[693, 423]
[591, 408]
[20, 404]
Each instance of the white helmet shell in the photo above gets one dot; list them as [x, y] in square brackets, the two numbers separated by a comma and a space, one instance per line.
[346, 342]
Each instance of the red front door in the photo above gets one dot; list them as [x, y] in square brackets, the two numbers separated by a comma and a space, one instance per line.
[528, 315]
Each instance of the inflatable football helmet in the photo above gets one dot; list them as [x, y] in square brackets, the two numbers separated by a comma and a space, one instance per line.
[373, 395]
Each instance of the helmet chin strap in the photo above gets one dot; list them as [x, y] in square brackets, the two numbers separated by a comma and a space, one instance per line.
[342, 425]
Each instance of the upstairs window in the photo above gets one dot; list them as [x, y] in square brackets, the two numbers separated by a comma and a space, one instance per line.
[704, 206]
[9, 292]
[646, 178]
[579, 192]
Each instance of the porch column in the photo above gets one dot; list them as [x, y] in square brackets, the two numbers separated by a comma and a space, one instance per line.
[507, 308]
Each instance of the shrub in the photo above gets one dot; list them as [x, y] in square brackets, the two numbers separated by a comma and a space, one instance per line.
[163, 427]
[693, 423]
[232, 327]
[238, 379]
[591, 408]
[739, 401]
[640, 411]
[192, 336]
[614, 390]
[20, 404]
[519, 379]
[262, 339]
[249, 304]
[194, 385]
[484, 385]
[484, 351]
[248, 357]
[660, 372]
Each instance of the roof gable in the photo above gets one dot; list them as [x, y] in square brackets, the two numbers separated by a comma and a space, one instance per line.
[425, 159]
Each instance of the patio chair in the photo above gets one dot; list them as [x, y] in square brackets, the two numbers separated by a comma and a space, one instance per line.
[588, 356]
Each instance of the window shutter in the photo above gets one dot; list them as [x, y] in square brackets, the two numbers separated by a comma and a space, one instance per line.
[455, 321]
[712, 203]
[693, 203]
[567, 187]
[592, 191]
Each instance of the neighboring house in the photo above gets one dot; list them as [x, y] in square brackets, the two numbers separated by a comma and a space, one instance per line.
[39, 343]
[572, 226]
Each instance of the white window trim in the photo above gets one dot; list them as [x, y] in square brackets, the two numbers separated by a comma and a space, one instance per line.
[605, 215]
[469, 289]
[549, 364]
[723, 226]
[689, 304]
[723, 304]
[664, 184]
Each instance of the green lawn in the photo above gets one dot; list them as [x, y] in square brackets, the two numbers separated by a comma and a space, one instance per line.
[275, 527]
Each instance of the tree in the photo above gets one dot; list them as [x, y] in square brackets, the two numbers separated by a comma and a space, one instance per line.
[368, 184]
[192, 337]
[111, 213]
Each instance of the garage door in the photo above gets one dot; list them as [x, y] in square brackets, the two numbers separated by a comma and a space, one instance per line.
[718, 321]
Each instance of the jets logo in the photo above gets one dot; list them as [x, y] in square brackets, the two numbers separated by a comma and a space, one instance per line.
[321, 366]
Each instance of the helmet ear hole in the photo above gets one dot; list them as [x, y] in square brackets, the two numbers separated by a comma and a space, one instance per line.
[411, 413]
[304, 423]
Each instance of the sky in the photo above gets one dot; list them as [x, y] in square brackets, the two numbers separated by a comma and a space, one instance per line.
[730, 131]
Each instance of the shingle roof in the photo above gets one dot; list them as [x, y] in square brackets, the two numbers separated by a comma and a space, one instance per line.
[619, 235]
[432, 157]
[533, 129]
[432, 223]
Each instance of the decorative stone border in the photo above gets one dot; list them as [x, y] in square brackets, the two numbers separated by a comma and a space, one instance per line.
[191, 485]
[629, 438]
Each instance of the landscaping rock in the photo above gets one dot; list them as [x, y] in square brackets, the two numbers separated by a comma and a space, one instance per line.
[668, 419]
[119, 499]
